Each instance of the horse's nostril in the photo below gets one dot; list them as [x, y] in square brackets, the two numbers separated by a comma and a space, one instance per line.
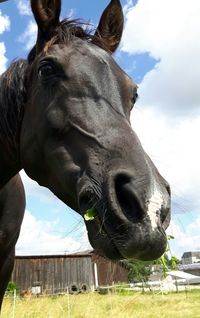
[127, 198]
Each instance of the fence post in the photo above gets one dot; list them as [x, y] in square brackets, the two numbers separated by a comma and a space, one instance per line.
[68, 303]
[14, 303]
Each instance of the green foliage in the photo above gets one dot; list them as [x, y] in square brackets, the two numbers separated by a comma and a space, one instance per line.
[11, 288]
[164, 263]
[139, 271]
[90, 214]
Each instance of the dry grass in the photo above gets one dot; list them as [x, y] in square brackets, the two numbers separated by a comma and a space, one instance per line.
[134, 305]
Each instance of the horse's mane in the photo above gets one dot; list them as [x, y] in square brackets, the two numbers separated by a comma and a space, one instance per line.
[68, 30]
[12, 99]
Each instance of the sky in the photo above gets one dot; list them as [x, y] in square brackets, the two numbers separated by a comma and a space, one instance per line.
[160, 50]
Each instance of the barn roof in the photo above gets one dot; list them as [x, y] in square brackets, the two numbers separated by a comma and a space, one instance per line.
[87, 253]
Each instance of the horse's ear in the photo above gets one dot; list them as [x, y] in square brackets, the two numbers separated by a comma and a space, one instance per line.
[46, 13]
[110, 28]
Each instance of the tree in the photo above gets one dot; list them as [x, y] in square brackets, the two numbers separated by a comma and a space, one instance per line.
[138, 271]
[164, 263]
[11, 288]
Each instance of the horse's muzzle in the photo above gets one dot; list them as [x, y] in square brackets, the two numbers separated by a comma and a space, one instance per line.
[128, 223]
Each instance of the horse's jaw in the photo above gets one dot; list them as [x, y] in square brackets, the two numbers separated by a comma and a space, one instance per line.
[131, 245]
[131, 241]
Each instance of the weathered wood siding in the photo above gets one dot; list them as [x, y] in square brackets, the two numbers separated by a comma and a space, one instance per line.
[57, 273]
[53, 274]
[109, 271]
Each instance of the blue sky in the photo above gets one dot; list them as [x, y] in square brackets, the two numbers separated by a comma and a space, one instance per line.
[160, 51]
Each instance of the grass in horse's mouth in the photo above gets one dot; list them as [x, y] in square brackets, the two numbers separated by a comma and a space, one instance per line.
[90, 214]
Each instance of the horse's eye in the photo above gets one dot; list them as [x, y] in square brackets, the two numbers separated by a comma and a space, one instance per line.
[45, 70]
[135, 97]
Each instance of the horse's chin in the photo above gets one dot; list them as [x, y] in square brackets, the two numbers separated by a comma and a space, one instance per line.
[119, 248]
[101, 242]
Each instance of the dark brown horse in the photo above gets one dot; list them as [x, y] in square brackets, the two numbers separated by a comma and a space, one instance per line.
[12, 206]
[66, 121]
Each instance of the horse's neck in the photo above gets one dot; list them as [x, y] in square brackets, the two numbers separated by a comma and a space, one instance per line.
[11, 108]
[9, 165]
[9, 159]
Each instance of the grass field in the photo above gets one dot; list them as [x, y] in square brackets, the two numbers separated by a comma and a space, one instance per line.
[135, 304]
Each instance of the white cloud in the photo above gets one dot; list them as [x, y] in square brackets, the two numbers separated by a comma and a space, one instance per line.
[38, 238]
[186, 238]
[3, 59]
[4, 23]
[4, 26]
[127, 6]
[24, 7]
[47, 237]
[34, 190]
[195, 227]
[28, 38]
[173, 148]
[168, 30]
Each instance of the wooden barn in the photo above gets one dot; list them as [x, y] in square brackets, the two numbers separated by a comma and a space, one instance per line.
[61, 273]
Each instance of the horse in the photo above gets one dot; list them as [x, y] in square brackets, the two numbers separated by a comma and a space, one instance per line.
[66, 121]
[12, 206]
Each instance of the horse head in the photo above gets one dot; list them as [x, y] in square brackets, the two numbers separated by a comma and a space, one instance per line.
[77, 139]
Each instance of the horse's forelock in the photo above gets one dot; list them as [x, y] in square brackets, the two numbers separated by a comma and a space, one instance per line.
[65, 32]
